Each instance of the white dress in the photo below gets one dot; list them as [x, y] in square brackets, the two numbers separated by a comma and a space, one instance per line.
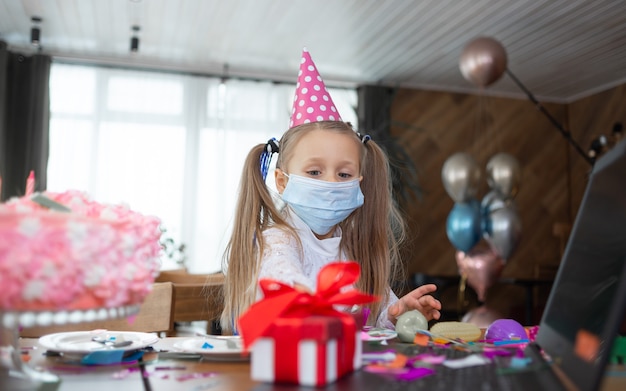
[282, 259]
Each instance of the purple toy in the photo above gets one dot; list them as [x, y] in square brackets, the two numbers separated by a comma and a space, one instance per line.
[504, 330]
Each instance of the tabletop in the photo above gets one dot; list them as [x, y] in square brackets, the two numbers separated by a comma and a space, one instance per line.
[169, 371]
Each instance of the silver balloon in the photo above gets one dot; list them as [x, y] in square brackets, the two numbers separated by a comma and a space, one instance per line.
[504, 174]
[461, 177]
[492, 201]
[483, 61]
[503, 231]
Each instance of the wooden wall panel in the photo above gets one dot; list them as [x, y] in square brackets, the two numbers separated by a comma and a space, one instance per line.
[589, 118]
[434, 125]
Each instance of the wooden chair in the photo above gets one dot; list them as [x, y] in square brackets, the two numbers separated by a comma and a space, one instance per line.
[182, 276]
[197, 297]
[155, 315]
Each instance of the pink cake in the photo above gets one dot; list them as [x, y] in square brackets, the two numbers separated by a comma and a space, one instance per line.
[95, 256]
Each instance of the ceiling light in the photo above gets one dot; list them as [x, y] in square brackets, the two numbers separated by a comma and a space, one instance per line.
[134, 40]
[134, 44]
[35, 31]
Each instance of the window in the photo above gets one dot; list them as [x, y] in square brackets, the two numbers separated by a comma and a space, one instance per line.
[169, 145]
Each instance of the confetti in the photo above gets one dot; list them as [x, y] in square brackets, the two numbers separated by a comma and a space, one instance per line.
[421, 339]
[195, 375]
[469, 361]
[415, 373]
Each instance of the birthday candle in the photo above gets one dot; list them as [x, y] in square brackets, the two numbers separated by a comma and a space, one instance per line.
[30, 183]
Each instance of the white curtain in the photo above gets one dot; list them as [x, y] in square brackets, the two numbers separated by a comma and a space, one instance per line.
[169, 145]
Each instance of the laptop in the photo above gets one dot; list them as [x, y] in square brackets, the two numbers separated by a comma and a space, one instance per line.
[587, 303]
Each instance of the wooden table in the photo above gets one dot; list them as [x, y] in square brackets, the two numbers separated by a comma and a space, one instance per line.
[197, 375]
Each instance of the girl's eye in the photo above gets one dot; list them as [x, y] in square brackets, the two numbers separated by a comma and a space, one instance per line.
[345, 175]
[314, 172]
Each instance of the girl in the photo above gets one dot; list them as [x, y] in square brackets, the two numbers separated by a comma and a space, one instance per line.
[337, 204]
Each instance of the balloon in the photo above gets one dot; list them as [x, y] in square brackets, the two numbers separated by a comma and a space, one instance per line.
[409, 323]
[463, 225]
[483, 61]
[481, 316]
[482, 267]
[492, 201]
[505, 329]
[502, 229]
[461, 176]
[504, 174]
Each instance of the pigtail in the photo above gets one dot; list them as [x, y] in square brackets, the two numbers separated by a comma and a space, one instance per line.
[254, 212]
[375, 231]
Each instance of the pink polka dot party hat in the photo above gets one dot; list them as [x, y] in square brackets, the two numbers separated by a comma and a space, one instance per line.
[312, 102]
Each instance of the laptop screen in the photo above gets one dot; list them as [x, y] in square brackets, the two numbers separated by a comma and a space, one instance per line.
[587, 301]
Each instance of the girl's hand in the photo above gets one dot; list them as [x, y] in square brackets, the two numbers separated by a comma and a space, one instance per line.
[418, 299]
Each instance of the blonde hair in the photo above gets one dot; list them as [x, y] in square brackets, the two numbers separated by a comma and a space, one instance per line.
[371, 235]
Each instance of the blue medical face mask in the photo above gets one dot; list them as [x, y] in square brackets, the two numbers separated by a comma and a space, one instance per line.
[322, 204]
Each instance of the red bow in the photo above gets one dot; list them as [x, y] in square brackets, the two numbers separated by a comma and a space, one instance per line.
[281, 300]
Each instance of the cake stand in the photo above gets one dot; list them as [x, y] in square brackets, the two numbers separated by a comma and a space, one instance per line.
[17, 375]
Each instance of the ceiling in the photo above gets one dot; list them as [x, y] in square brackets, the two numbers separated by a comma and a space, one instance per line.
[560, 50]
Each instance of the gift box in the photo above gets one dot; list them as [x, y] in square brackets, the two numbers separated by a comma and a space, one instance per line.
[301, 338]
[311, 351]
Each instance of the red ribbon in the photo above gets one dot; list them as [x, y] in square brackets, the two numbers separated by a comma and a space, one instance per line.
[282, 300]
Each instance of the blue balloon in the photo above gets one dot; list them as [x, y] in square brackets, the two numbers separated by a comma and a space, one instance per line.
[464, 226]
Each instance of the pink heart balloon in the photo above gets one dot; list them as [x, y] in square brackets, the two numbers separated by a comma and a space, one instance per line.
[482, 268]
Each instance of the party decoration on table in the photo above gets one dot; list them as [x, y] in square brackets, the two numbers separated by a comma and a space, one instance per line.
[505, 330]
[480, 267]
[402, 368]
[483, 61]
[481, 316]
[456, 330]
[379, 356]
[294, 336]
[409, 323]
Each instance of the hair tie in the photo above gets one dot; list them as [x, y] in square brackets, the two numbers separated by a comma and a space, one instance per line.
[271, 147]
[364, 138]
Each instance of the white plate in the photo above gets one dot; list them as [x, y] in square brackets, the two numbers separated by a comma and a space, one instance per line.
[80, 342]
[376, 334]
[215, 348]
